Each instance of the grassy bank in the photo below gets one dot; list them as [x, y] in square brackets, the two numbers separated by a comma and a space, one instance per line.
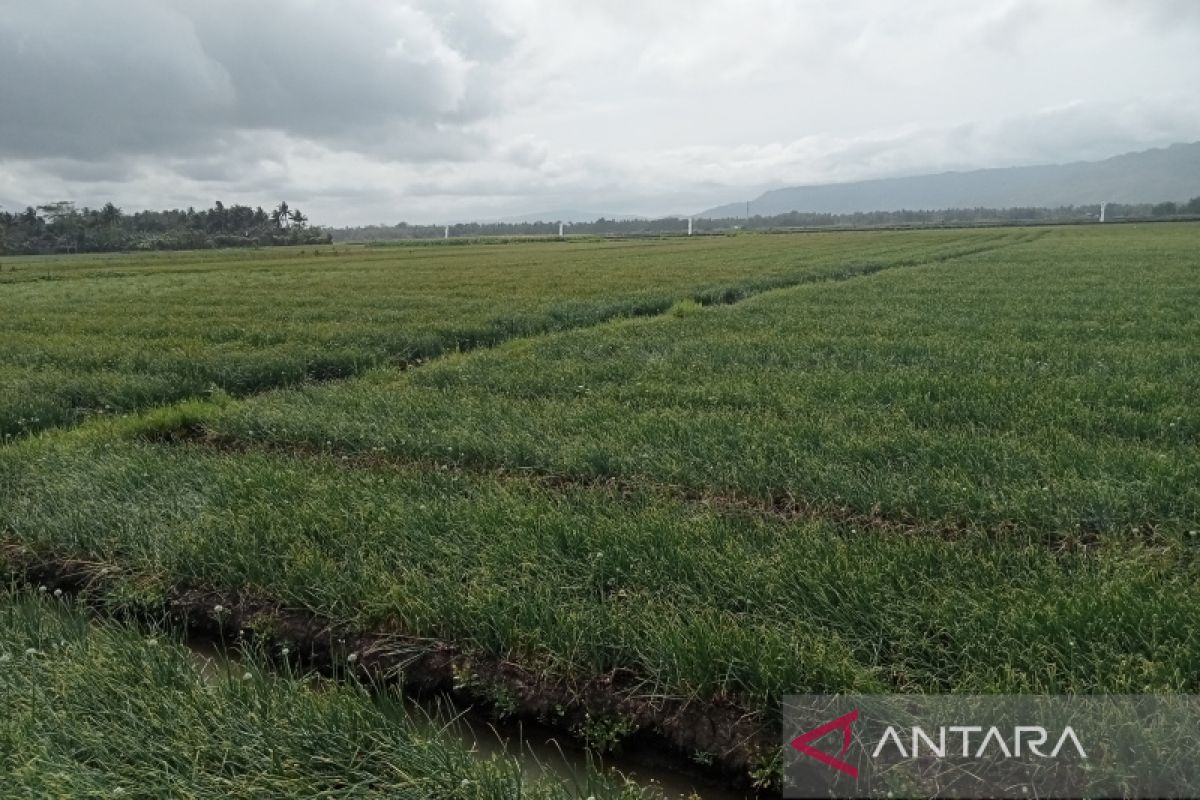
[103, 710]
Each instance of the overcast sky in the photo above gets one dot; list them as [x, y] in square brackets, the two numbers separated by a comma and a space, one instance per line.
[362, 111]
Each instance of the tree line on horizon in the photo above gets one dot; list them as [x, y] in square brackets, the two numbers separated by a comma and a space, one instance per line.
[62, 227]
[794, 219]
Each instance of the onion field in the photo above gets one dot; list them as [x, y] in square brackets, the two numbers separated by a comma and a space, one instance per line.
[633, 490]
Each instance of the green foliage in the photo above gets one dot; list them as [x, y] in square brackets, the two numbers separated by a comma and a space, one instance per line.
[605, 734]
[934, 461]
[1043, 387]
[100, 710]
[582, 581]
[682, 308]
[62, 228]
[767, 770]
[99, 335]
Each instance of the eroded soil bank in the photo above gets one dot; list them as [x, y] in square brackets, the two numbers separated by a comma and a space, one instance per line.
[679, 747]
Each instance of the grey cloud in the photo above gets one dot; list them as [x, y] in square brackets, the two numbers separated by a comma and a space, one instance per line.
[112, 170]
[440, 110]
[1010, 25]
[81, 82]
[1168, 14]
[93, 80]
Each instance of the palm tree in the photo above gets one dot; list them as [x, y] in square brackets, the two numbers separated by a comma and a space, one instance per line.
[298, 219]
[110, 215]
[280, 215]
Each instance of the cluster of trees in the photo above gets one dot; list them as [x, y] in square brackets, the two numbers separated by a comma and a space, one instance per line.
[963, 216]
[403, 230]
[795, 219]
[1173, 209]
[63, 228]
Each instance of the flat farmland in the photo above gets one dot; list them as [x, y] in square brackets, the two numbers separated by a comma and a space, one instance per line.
[1045, 388]
[636, 490]
[103, 334]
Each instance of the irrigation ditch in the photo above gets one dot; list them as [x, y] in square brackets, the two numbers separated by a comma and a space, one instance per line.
[717, 747]
[540, 750]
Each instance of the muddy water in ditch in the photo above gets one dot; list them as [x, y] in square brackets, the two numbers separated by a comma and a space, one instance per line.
[540, 750]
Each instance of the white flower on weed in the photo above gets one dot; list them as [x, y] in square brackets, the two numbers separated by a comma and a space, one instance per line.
[32, 651]
[5, 658]
[42, 588]
[58, 592]
[218, 609]
[246, 676]
[352, 657]
[119, 792]
[152, 642]
[285, 651]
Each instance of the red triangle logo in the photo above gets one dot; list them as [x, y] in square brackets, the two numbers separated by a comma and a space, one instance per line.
[801, 743]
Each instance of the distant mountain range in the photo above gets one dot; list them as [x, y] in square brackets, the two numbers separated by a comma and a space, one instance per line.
[1150, 176]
